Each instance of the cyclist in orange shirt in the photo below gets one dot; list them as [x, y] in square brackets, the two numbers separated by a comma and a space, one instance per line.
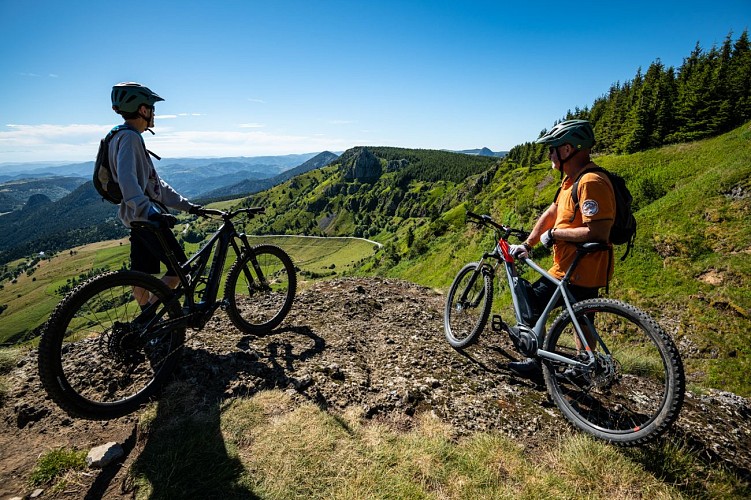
[563, 225]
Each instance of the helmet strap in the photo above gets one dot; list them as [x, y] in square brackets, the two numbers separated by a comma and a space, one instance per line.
[147, 120]
[564, 160]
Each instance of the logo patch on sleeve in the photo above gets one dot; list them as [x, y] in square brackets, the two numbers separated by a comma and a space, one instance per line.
[590, 208]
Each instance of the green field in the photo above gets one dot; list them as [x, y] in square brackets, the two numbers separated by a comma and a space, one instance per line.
[318, 257]
[32, 298]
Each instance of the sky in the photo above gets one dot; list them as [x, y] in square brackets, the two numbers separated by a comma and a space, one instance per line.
[275, 77]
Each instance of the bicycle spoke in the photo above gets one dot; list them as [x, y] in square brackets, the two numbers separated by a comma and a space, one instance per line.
[631, 394]
[467, 306]
[96, 359]
[260, 289]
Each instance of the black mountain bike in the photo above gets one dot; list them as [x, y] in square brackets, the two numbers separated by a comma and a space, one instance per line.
[608, 366]
[101, 356]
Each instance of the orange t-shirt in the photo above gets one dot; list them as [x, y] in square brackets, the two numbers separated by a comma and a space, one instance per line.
[596, 202]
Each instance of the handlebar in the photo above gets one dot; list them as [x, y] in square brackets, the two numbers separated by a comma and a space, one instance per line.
[251, 211]
[486, 220]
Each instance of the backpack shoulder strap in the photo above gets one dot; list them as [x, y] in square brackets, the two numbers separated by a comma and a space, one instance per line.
[115, 130]
[124, 126]
[560, 186]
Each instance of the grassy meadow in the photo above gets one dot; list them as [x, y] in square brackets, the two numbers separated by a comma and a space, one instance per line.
[31, 299]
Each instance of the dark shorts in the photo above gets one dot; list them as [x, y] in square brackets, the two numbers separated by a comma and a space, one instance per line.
[543, 290]
[146, 253]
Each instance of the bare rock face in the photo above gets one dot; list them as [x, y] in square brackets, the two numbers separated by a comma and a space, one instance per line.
[363, 166]
[371, 345]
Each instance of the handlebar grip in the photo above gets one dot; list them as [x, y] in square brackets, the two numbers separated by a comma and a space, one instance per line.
[210, 211]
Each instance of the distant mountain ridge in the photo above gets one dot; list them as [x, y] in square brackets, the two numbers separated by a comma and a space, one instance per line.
[483, 152]
[46, 226]
[14, 194]
[251, 186]
[40, 225]
[191, 176]
[88, 219]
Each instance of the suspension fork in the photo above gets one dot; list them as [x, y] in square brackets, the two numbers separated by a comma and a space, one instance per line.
[247, 249]
[482, 269]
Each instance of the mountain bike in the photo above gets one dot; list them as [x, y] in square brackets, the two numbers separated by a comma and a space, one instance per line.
[102, 355]
[608, 366]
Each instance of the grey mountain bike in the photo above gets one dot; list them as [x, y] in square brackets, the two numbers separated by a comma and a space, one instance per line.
[607, 365]
[101, 356]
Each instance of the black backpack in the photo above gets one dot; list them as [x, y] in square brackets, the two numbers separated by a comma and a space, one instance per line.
[623, 231]
[103, 179]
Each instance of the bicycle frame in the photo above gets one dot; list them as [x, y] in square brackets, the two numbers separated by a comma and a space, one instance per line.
[503, 256]
[190, 273]
[568, 299]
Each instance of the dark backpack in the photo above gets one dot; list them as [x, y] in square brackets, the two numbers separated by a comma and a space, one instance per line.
[104, 181]
[623, 231]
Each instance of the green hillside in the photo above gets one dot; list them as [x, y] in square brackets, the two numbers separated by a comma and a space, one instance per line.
[690, 267]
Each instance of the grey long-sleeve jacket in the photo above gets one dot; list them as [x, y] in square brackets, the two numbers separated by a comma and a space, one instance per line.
[140, 184]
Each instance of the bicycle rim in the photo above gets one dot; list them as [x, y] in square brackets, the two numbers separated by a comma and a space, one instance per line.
[259, 301]
[635, 392]
[466, 314]
[96, 359]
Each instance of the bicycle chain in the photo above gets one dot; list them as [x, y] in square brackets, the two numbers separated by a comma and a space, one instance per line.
[183, 318]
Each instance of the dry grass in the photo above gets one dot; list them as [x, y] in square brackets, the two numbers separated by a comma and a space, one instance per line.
[271, 446]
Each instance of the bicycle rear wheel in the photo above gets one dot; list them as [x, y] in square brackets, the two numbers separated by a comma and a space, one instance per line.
[260, 289]
[467, 306]
[634, 391]
[99, 358]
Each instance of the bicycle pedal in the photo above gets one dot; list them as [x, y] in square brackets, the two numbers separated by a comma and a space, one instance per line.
[497, 324]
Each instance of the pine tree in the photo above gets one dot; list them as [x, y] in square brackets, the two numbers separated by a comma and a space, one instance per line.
[740, 81]
[721, 106]
[664, 120]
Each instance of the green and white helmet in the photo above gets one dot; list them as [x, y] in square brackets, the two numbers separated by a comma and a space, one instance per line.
[127, 97]
[578, 133]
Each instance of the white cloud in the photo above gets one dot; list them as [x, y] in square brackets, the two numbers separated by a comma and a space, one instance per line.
[50, 142]
[79, 142]
[239, 143]
[259, 101]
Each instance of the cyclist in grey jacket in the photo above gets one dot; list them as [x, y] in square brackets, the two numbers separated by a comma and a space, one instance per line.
[139, 182]
[145, 195]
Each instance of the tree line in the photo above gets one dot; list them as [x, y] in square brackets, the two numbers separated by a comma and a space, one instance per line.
[709, 94]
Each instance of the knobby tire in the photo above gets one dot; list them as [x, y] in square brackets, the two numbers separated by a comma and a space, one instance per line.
[258, 304]
[96, 359]
[633, 396]
[465, 320]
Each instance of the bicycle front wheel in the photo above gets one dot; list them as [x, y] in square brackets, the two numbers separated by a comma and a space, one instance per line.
[467, 306]
[99, 356]
[260, 288]
[634, 390]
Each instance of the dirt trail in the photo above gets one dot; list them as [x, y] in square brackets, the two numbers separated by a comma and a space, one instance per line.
[373, 343]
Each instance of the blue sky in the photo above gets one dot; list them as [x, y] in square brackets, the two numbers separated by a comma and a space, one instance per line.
[249, 78]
